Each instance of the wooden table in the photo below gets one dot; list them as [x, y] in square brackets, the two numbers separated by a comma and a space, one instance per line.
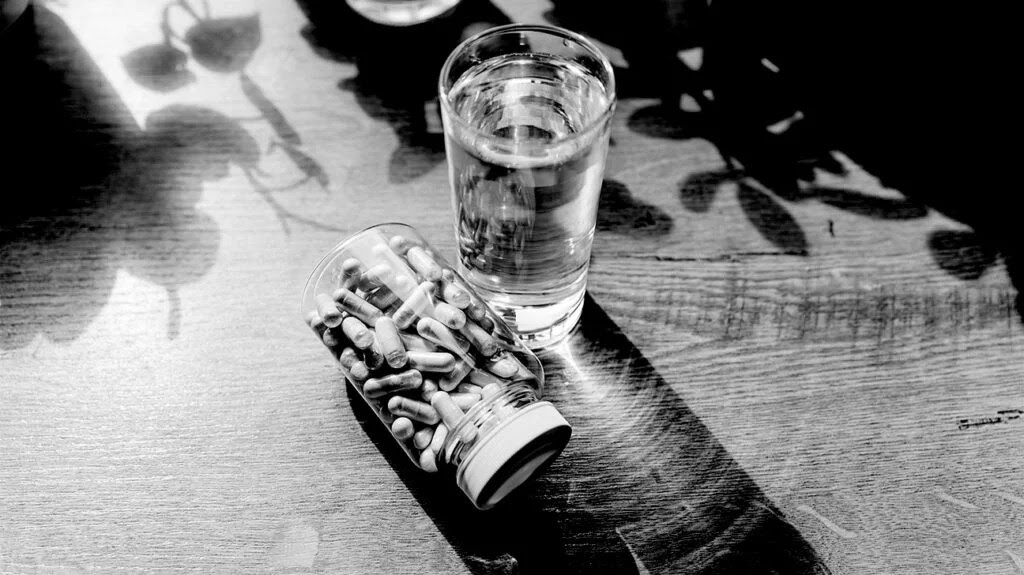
[825, 384]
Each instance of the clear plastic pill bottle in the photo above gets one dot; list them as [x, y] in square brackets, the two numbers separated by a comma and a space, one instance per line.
[456, 388]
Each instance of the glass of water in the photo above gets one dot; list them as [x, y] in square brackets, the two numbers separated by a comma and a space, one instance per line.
[401, 12]
[526, 111]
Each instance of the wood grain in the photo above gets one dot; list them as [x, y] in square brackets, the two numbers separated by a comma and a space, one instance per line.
[828, 382]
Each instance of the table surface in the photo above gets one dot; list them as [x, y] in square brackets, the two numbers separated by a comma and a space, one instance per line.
[824, 384]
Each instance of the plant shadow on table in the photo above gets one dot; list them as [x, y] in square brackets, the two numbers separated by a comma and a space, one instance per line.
[619, 212]
[226, 45]
[88, 192]
[398, 68]
[419, 150]
[788, 85]
[921, 124]
[643, 487]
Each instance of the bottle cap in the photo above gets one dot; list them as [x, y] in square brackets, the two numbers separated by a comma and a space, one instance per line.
[513, 453]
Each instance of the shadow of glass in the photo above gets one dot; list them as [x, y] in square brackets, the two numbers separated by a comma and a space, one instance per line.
[91, 193]
[619, 212]
[643, 486]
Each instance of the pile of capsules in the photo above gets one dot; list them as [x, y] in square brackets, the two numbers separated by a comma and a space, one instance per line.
[415, 342]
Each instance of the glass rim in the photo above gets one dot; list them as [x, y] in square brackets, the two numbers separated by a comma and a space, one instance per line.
[555, 31]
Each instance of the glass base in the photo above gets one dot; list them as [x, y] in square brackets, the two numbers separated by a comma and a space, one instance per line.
[539, 326]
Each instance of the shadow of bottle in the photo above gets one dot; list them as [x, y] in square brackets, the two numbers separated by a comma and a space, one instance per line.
[643, 487]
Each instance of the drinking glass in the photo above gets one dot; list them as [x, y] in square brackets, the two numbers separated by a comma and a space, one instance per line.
[526, 112]
[401, 12]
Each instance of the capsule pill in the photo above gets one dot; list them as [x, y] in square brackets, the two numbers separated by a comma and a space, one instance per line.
[376, 387]
[428, 388]
[359, 372]
[403, 428]
[464, 344]
[465, 400]
[372, 356]
[481, 377]
[328, 310]
[399, 244]
[315, 323]
[435, 361]
[435, 331]
[480, 338]
[421, 439]
[416, 304]
[417, 410]
[449, 315]
[475, 310]
[381, 298]
[390, 342]
[352, 365]
[428, 461]
[454, 377]
[375, 277]
[332, 338]
[356, 306]
[505, 367]
[356, 332]
[451, 415]
[347, 357]
[423, 263]
[414, 342]
[437, 441]
[447, 409]
[452, 292]
[487, 323]
[491, 390]
[466, 387]
[351, 271]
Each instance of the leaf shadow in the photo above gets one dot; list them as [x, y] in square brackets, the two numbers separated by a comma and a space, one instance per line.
[620, 212]
[771, 219]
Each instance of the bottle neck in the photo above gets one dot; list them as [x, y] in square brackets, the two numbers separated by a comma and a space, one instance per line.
[502, 442]
[483, 419]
